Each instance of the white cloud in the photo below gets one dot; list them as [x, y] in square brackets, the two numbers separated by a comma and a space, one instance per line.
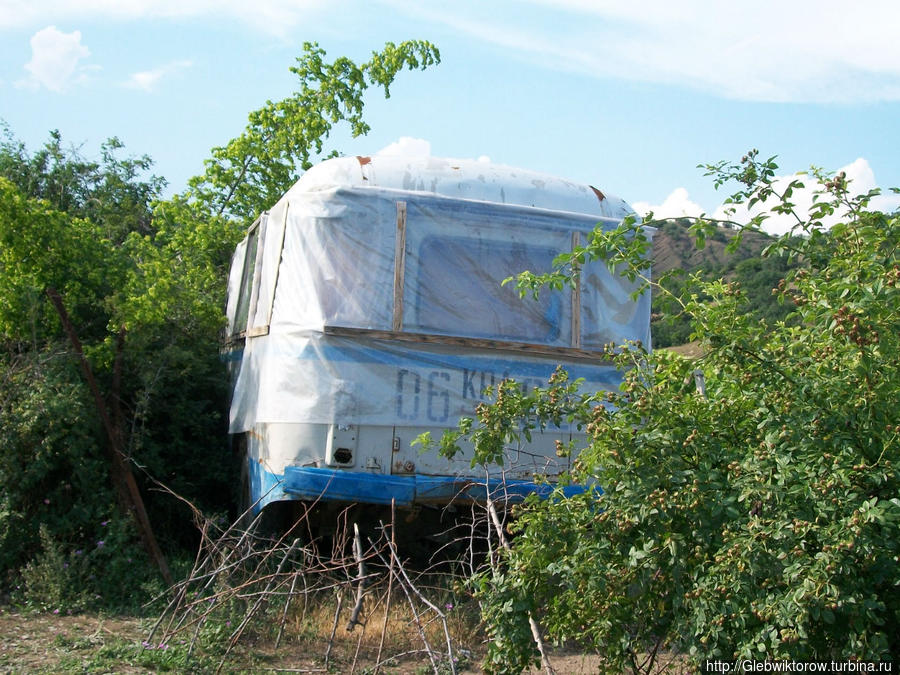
[272, 16]
[799, 51]
[55, 60]
[859, 175]
[677, 205]
[407, 146]
[147, 80]
[769, 50]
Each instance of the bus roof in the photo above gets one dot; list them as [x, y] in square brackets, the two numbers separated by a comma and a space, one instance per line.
[463, 179]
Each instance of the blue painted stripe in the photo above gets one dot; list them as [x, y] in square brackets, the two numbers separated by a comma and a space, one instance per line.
[311, 483]
[265, 486]
[342, 486]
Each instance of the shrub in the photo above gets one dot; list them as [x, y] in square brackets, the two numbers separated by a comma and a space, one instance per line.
[757, 517]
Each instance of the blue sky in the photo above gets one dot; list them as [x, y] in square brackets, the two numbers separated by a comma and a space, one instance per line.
[629, 97]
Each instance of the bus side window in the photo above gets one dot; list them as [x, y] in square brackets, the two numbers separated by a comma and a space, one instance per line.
[242, 312]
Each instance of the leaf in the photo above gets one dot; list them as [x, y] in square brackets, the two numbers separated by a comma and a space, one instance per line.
[250, 172]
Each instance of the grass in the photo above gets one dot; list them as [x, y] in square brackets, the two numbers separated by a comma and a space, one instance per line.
[46, 643]
[249, 602]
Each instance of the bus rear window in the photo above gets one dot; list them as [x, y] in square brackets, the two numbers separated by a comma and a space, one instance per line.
[458, 291]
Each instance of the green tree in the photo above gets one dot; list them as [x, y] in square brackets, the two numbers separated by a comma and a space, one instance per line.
[115, 193]
[756, 518]
[124, 258]
[253, 170]
[40, 247]
[54, 474]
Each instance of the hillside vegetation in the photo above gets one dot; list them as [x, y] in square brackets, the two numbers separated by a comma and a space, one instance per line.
[676, 257]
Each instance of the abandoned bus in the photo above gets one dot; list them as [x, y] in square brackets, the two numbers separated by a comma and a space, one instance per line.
[366, 307]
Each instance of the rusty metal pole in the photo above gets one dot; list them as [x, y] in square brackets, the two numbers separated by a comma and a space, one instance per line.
[121, 474]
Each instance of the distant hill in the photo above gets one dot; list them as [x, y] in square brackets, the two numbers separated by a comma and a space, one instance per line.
[674, 249]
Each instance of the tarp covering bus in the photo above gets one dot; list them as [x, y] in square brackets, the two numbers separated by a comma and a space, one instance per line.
[366, 307]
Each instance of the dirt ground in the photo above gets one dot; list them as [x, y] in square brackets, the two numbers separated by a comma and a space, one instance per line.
[34, 643]
[47, 643]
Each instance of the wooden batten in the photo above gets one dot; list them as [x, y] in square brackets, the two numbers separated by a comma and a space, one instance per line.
[576, 298]
[399, 266]
[564, 353]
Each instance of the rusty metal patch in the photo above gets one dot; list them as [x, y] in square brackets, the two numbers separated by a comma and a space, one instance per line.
[597, 192]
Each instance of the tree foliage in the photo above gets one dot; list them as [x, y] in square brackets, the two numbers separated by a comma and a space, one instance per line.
[65, 227]
[250, 172]
[756, 274]
[755, 518]
[40, 247]
[115, 193]
[129, 263]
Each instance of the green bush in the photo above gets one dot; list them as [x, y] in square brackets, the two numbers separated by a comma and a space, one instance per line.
[52, 467]
[758, 519]
[110, 572]
[58, 504]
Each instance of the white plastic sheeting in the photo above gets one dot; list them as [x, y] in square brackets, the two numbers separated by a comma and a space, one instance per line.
[463, 179]
[318, 378]
[327, 256]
